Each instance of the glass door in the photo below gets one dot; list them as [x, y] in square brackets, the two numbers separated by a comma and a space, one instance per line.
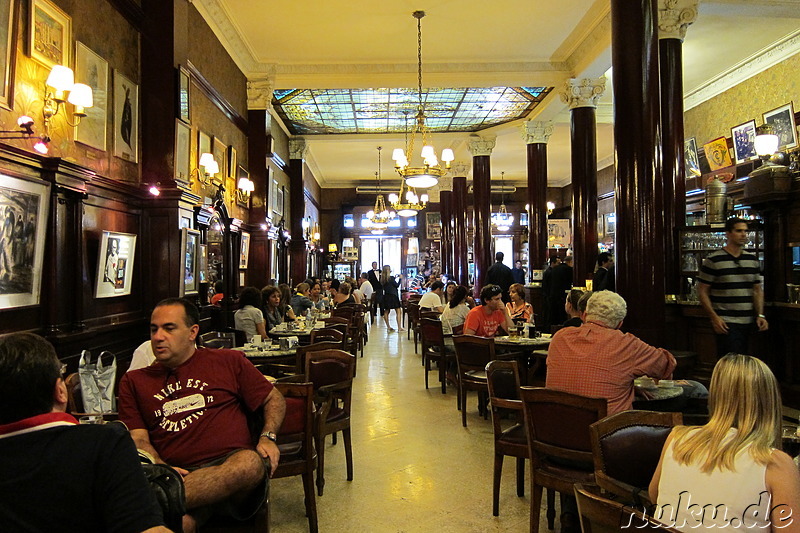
[383, 250]
[505, 245]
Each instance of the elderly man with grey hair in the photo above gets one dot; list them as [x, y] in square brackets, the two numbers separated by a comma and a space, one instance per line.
[600, 361]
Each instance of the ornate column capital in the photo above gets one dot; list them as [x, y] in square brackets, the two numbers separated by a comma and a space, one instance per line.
[537, 131]
[259, 93]
[297, 148]
[445, 183]
[459, 169]
[583, 92]
[674, 17]
[481, 145]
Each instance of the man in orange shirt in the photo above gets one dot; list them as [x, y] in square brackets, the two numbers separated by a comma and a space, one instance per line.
[484, 320]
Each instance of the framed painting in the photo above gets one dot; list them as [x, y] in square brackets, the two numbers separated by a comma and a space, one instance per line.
[782, 119]
[244, 254]
[691, 158]
[232, 163]
[183, 140]
[9, 11]
[115, 264]
[433, 226]
[744, 141]
[50, 34]
[190, 250]
[126, 118]
[92, 70]
[219, 150]
[559, 234]
[203, 145]
[184, 103]
[718, 154]
[610, 223]
[23, 225]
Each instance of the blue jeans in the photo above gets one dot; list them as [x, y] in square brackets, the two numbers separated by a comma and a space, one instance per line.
[737, 340]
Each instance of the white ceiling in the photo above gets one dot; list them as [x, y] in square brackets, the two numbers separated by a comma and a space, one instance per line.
[474, 43]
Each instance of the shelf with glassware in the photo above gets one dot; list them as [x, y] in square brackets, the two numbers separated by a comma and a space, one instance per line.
[698, 242]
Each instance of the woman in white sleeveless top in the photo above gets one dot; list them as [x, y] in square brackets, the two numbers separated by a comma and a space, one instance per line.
[730, 474]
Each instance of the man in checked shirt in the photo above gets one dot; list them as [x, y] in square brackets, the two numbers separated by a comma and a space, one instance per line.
[600, 361]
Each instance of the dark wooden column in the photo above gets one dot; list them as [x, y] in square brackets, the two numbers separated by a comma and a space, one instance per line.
[446, 204]
[297, 208]
[259, 96]
[582, 96]
[481, 150]
[672, 24]
[640, 236]
[536, 134]
[460, 262]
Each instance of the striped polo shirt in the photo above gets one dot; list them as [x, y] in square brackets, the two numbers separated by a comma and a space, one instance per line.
[732, 280]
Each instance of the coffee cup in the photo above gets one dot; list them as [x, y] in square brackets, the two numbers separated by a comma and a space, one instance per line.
[256, 339]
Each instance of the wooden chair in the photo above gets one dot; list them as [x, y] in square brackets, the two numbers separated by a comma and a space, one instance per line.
[331, 372]
[503, 381]
[608, 515]
[219, 339]
[473, 353]
[626, 448]
[413, 323]
[557, 425]
[327, 335]
[435, 349]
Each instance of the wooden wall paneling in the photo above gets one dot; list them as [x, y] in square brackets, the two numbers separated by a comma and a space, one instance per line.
[161, 242]
[258, 264]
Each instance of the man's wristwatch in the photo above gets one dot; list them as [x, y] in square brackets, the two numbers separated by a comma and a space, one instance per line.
[762, 316]
[270, 435]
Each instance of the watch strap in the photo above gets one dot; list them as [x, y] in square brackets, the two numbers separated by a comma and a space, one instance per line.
[270, 435]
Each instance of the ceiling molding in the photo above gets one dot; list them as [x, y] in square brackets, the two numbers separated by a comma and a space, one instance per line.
[756, 63]
[221, 24]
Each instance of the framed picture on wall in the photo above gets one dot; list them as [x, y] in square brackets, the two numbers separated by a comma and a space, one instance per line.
[115, 264]
[92, 70]
[126, 118]
[244, 254]
[718, 154]
[433, 226]
[23, 211]
[9, 11]
[691, 157]
[184, 104]
[219, 149]
[49, 34]
[744, 141]
[183, 139]
[190, 250]
[559, 234]
[782, 119]
[232, 162]
[203, 145]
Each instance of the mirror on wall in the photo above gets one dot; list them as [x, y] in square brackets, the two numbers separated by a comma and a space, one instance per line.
[215, 249]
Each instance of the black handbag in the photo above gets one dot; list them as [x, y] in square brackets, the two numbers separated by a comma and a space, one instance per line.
[167, 485]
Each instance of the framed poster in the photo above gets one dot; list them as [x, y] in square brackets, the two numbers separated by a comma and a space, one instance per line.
[190, 248]
[782, 119]
[203, 145]
[691, 157]
[115, 264]
[559, 234]
[23, 224]
[126, 118]
[9, 11]
[184, 104]
[203, 264]
[232, 162]
[245, 251]
[433, 226]
[49, 34]
[744, 141]
[718, 154]
[219, 150]
[610, 223]
[183, 139]
[92, 70]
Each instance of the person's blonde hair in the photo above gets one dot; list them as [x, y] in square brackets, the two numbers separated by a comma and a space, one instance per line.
[743, 395]
[386, 273]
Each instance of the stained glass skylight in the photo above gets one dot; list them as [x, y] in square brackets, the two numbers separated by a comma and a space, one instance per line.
[331, 111]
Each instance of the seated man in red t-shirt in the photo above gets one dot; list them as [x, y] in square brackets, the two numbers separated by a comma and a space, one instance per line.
[189, 409]
[484, 320]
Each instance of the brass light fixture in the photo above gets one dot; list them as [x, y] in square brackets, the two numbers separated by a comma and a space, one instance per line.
[431, 170]
[503, 220]
[407, 205]
[380, 216]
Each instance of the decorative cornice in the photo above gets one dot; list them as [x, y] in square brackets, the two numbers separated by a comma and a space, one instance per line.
[459, 169]
[297, 148]
[215, 15]
[480, 145]
[445, 183]
[259, 93]
[674, 17]
[745, 69]
[536, 131]
[584, 92]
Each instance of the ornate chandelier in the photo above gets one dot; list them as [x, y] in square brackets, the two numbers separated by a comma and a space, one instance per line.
[407, 205]
[503, 219]
[428, 174]
[380, 216]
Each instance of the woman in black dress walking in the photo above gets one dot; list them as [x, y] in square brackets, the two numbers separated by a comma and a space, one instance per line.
[391, 298]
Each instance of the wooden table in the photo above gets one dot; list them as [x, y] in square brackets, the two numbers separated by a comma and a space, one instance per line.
[269, 355]
[282, 329]
[532, 351]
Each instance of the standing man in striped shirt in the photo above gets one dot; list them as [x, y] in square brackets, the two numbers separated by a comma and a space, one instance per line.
[730, 291]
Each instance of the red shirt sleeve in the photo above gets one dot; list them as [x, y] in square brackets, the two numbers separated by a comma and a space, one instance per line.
[128, 406]
[253, 385]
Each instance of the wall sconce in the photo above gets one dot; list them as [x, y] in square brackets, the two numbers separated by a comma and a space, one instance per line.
[60, 82]
[25, 131]
[550, 207]
[243, 189]
[207, 166]
[766, 142]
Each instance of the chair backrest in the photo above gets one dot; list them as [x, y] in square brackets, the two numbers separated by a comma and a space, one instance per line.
[431, 331]
[218, 339]
[558, 423]
[240, 337]
[344, 311]
[303, 351]
[605, 514]
[336, 320]
[296, 434]
[329, 367]
[503, 380]
[473, 352]
[626, 449]
[413, 313]
[327, 334]
[74, 398]
[428, 313]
